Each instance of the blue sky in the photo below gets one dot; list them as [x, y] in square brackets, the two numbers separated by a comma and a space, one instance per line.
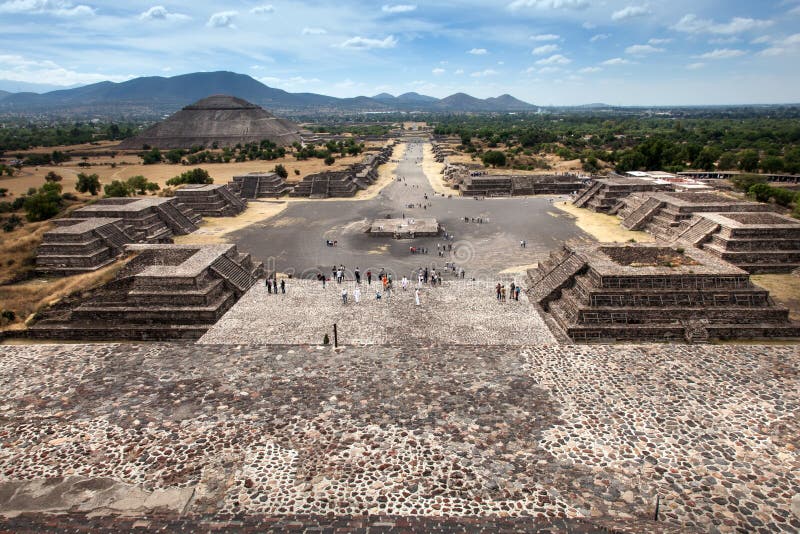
[548, 52]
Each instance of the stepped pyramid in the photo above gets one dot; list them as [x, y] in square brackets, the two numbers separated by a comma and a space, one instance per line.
[221, 119]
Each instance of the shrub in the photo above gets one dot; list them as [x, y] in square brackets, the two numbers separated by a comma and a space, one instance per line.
[45, 204]
[88, 183]
[495, 158]
[9, 225]
[3, 191]
[297, 172]
[151, 157]
[17, 203]
[329, 160]
[281, 171]
[52, 177]
[141, 185]
[194, 176]
[69, 196]
[117, 188]
[5, 207]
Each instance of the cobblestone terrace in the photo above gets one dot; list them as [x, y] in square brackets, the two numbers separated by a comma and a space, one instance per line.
[541, 432]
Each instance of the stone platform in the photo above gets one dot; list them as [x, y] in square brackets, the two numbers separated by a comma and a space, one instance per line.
[404, 228]
[151, 219]
[189, 433]
[211, 200]
[82, 245]
[456, 312]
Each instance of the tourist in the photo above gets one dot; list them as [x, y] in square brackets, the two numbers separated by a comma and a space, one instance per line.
[462, 273]
[416, 296]
[283, 286]
[377, 295]
[497, 290]
[404, 283]
[357, 294]
[513, 287]
[503, 293]
[339, 276]
[322, 277]
[344, 295]
[516, 296]
[369, 277]
[425, 275]
[357, 274]
[269, 285]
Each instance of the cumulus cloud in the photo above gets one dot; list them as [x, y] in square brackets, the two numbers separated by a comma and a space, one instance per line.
[695, 66]
[478, 52]
[600, 37]
[615, 61]
[545, 37]
[556, 59]
[630, 12]
[364, 43]
[722, 53]
[398, 8]
[438, 71]
[545, 49]
[459, 71]
[657, 42]
[223, 19]
[642, 50]
[782, 46]
[484, 73]
[314, 31]
[21, 69]
[263, 10]
[590, 70]
[161, 13]
[692, 24]
[59, 8]
[550, 4]
[288, 82]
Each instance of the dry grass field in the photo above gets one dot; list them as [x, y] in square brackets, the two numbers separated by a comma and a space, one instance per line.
[556, 163]
[604, 228]
[784, 288]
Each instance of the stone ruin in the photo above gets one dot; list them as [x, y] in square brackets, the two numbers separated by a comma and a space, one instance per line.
[151, 219]
[345, 183]
[652, 292]
[163, 292]
[404, 228]
[606, 195]
[259, 184]
[442, 151]
[668, 215]
[82, 245]
[495, 185]
[758, 242]
[211, 200]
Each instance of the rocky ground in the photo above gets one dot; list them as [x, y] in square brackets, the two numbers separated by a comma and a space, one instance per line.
[455, 312]
[541, 432]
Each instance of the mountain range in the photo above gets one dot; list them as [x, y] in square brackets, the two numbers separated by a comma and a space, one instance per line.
[156, 95]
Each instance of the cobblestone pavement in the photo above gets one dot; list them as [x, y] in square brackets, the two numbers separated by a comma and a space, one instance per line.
[539, 432]
[457, 312]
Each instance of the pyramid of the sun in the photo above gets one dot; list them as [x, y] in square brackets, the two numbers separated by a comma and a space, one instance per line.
[223, 119]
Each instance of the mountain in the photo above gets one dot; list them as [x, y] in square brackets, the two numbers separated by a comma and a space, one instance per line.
[156, 96]
[3, 94]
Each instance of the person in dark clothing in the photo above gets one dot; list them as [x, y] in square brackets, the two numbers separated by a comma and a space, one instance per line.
[269, 285]
[283, 286]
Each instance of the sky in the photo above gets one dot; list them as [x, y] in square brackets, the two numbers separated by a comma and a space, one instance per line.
[546, 52]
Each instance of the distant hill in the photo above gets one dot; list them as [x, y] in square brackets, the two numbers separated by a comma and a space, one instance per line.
[156, 95]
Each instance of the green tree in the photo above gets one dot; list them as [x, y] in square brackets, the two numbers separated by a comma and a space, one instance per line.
[281, 171]
[706, 160]
[330, 160]
[88, 183]
[771, 164]
[45, 203]
[495, 158]
[727, 161]
[117, 188]
[744, 182]
[137, 184]
[151, 157]
[52, 177]
[748, 161]
[194, 176]
[175, 155]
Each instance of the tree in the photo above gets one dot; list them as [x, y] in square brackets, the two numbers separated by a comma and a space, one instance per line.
[771, 164]
[495, 158]
[151, 157]
[329, 160]
[591, 165]
[727, 161]
[52, 177]
[117, 188]
[88, 183]
[748, 161]
[194, 176]
[45, 203]
[281, 171]
[744, 182]
[706, 159]
[175, 155]
[137, 184]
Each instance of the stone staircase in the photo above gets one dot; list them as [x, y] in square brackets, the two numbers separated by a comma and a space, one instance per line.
[552, 276]
[319, 188]
[233, 199]
[177, 221]
[587, 195]
[642, 215]
[250, 187]
[234, 273]
[699, 231]
[114, 237]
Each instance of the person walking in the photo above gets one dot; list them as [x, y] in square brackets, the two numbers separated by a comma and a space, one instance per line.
[497, 290]
[369, 277]
[344, 295]
[416, 296]
[516, 295]
[269, 285]
[357, 274]
[322, 277]
[357, 294]
[283, 286]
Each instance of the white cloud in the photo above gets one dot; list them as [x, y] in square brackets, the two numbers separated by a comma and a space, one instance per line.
[223, 19]
[692, 24]
[549, 70]
[722, 53]
[556, 59]
[263, 10]
[590, 70]
[545, 49]
[161, 13]
[630, 12]
[599, 37]
[478, 52]
[588, 25]
[724, 40]
[761, 40]
[459, 71]
[484, 73]
[657, 42]
[59, 8]
[549, 4]
[399, 8]
[695, 66]
[545, 37]
[20, 69]
[438, 71]
[314, 31]
[782, 46]
[615, 61]
[364, 43]
[642, 50]
[345, 84]
[287, 82]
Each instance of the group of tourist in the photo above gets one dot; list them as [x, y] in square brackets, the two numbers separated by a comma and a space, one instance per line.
[272, 285]
[513, 293]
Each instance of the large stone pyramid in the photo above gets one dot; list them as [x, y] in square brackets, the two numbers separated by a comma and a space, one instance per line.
[223, 119]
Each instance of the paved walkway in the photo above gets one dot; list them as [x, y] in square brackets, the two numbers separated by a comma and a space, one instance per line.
[455, 313]
[589, 431]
